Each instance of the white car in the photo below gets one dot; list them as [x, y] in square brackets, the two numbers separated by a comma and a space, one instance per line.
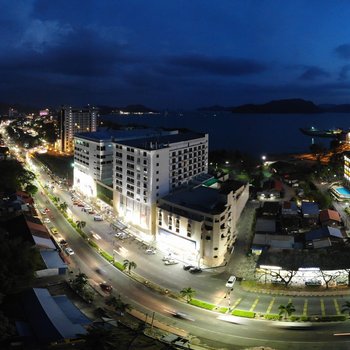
[98, 218]
[231, 281]
[170, 262]
[47, 220]
[69, 251]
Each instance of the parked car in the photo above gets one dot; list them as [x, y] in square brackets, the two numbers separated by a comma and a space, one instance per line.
[187, 267]
[195, 270]
[313, 283]
[54, 230]
[69, 251]
[98, 218]
[150, 251]
[170, 262]
[231, 281]
[47, 220]
[63, 243]
[106, 287]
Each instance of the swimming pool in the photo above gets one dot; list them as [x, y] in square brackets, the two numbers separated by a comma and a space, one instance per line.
[342, 192]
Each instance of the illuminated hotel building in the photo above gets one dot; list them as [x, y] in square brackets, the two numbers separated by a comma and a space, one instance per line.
[147, 169]
[347, 168]
[73, 121]
[93, 157]
[199, 224]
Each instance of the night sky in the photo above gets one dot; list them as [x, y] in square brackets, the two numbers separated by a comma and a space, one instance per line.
[175, 54]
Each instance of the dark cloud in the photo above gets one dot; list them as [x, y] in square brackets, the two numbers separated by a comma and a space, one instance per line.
[344, 71]
[223, 66]
[343, 51]
[313, 73]
[83, 53]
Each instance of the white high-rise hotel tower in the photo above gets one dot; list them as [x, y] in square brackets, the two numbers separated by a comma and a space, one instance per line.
[146, 169]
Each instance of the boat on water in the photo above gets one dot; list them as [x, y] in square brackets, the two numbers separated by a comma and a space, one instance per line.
[334, 133]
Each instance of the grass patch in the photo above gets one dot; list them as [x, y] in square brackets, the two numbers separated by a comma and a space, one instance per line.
[250, 284]
[202, 304]
[243, 313]
[60, 165]
[119, 265]
[107, 256]
[222, 309]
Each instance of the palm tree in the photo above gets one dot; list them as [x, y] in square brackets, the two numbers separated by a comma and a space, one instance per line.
[286, 309]
[346, 308]
[80, 282]
[119, 306]
[64, 206]
[81, 224]
[187, 293]
[129, 265]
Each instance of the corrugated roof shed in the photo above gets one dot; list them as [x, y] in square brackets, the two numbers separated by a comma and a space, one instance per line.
[323, 233]
[46, 317]
[309, 208]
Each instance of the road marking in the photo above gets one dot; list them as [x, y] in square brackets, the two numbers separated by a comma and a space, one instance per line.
[270, 306]
[336, 305]
[305, 308]
[323, 310]
[254, 304]
[236, 303]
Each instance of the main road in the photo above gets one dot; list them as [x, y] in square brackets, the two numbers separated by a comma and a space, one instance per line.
[209, 285]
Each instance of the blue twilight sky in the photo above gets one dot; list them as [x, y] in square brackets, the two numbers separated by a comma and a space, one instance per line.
[173, 53]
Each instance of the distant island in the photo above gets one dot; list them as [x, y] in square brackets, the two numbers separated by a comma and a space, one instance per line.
[285, 106]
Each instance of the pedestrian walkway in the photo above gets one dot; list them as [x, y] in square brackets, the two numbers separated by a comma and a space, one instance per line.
[299, 293]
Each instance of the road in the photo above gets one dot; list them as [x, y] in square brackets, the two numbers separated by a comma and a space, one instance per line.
[209, 286]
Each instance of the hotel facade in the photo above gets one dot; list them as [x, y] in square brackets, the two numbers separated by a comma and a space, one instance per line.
[202, 220]
[147, 169]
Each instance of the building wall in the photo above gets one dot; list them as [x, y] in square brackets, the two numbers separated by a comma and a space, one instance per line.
[73, 121]
[347, 169]
[213, 235]
[93, 161]
[143, 175]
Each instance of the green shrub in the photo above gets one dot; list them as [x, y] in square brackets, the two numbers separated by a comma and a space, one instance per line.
[294, 318]
[272, 317]
[107, 256]
[119, 265]
[243, 313]
[202, 304]
[93, 244]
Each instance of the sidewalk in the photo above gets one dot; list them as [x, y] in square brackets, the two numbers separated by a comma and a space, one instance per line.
[299, 293]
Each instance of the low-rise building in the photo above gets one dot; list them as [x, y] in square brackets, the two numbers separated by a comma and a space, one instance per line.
[329, 218]
[323, 237]
[200, 223]
[30, 229]
[310, 213]
[50, 319]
